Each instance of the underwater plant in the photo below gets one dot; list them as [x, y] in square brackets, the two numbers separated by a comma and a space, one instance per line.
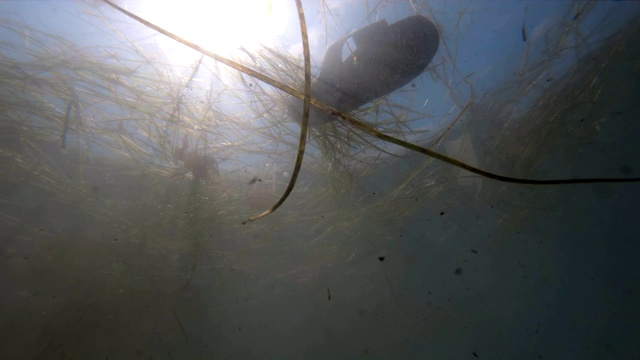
[345, 96]
[415, 222]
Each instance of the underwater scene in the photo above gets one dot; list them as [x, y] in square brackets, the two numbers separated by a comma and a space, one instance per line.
[319, 179]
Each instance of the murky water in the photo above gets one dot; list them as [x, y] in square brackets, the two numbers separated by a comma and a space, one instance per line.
[128, 164]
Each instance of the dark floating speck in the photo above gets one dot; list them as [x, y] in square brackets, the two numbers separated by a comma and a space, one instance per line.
[474, 251]
[576, 16]
[441, 213]
[474, 354]
[458, 271]
[381, 258]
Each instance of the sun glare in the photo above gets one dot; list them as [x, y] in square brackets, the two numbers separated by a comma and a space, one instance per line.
[221, 26]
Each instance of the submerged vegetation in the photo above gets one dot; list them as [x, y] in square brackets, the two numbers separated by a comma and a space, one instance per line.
[368, 129]
[152, 168]
[124, 102]
[81, 122]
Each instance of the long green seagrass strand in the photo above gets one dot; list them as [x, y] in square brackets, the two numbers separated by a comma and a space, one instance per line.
[305, 115]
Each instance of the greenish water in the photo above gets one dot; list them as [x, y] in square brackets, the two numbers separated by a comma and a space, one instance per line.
[113, 248]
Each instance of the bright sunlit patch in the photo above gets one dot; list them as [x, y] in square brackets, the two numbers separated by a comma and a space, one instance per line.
[222, 26]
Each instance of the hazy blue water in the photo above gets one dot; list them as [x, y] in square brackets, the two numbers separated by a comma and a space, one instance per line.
[475, 269]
